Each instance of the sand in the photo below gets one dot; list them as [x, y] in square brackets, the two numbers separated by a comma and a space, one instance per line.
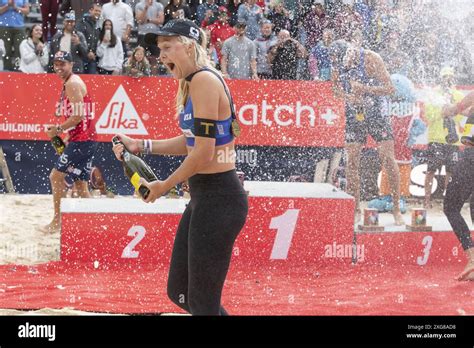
[20, 240]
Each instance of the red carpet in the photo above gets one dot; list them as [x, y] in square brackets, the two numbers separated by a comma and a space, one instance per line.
[341, 290]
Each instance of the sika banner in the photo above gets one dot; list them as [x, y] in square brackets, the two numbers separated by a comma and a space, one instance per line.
[271, 113]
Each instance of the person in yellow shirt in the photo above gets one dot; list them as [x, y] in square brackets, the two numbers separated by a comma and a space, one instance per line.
[441, 149]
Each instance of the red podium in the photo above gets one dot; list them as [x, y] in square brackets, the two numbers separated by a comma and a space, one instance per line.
[288, 223]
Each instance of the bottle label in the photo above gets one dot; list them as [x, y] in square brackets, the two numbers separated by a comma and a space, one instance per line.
[135, 180]
[60, 150]
[468, 130]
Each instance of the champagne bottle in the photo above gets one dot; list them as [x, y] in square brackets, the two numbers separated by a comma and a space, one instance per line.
[450, 129]
[58, 144]
[135, 168]
[468, 134]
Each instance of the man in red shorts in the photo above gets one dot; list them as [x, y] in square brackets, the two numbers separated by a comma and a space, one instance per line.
[77, 110]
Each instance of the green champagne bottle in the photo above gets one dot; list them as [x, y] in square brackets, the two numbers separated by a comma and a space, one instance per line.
[58, 144]
[136, 168]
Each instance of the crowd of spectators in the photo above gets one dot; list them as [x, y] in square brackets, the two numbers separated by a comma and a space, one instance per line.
[248, 39]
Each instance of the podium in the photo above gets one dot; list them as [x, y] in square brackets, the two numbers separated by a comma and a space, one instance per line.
[287, 223]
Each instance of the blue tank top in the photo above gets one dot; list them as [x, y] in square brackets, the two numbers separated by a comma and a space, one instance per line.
[359, 74]
[186, 122]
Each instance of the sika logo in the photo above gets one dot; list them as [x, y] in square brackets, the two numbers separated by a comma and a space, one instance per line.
[120, 116]
[287, 115]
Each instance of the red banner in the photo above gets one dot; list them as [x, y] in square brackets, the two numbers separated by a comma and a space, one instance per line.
[272, 113]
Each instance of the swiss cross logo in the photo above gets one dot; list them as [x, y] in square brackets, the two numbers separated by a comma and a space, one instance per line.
[120, 116]
[329, 116]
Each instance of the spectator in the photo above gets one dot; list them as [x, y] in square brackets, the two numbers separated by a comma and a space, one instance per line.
[121, 16]
[284, 57]
[12, 29]
[297, 15]
[220, 30]
[150, 16]
[366, 12]
[88, 27]
[2, 54]
[49, 17]
[109, 50]
[252, 14]
[71, 41]
[137, 65]
[384, 24]
[193, 6]
[233, 7]
[331, 6]
[239, 55]
[279, 16]
[78, 6]
[176, 9]
[314, 25]
[440, 152]
[207, 11]
[319, 60]
[266, 40]
[346, 21]
[33, 52]
[211, 49]
[291, 5]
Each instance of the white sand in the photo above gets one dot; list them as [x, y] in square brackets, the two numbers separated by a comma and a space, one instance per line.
[20, 240]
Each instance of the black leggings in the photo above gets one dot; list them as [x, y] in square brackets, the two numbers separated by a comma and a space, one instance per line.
[460, 187]
[204, 241]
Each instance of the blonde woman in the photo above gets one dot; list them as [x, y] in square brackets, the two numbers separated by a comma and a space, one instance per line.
[218, 208]
[137, 65]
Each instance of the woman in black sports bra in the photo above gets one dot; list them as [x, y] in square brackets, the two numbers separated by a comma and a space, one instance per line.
[218, 207]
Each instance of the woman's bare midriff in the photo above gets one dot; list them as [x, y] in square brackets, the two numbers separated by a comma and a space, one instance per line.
[223, 160]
